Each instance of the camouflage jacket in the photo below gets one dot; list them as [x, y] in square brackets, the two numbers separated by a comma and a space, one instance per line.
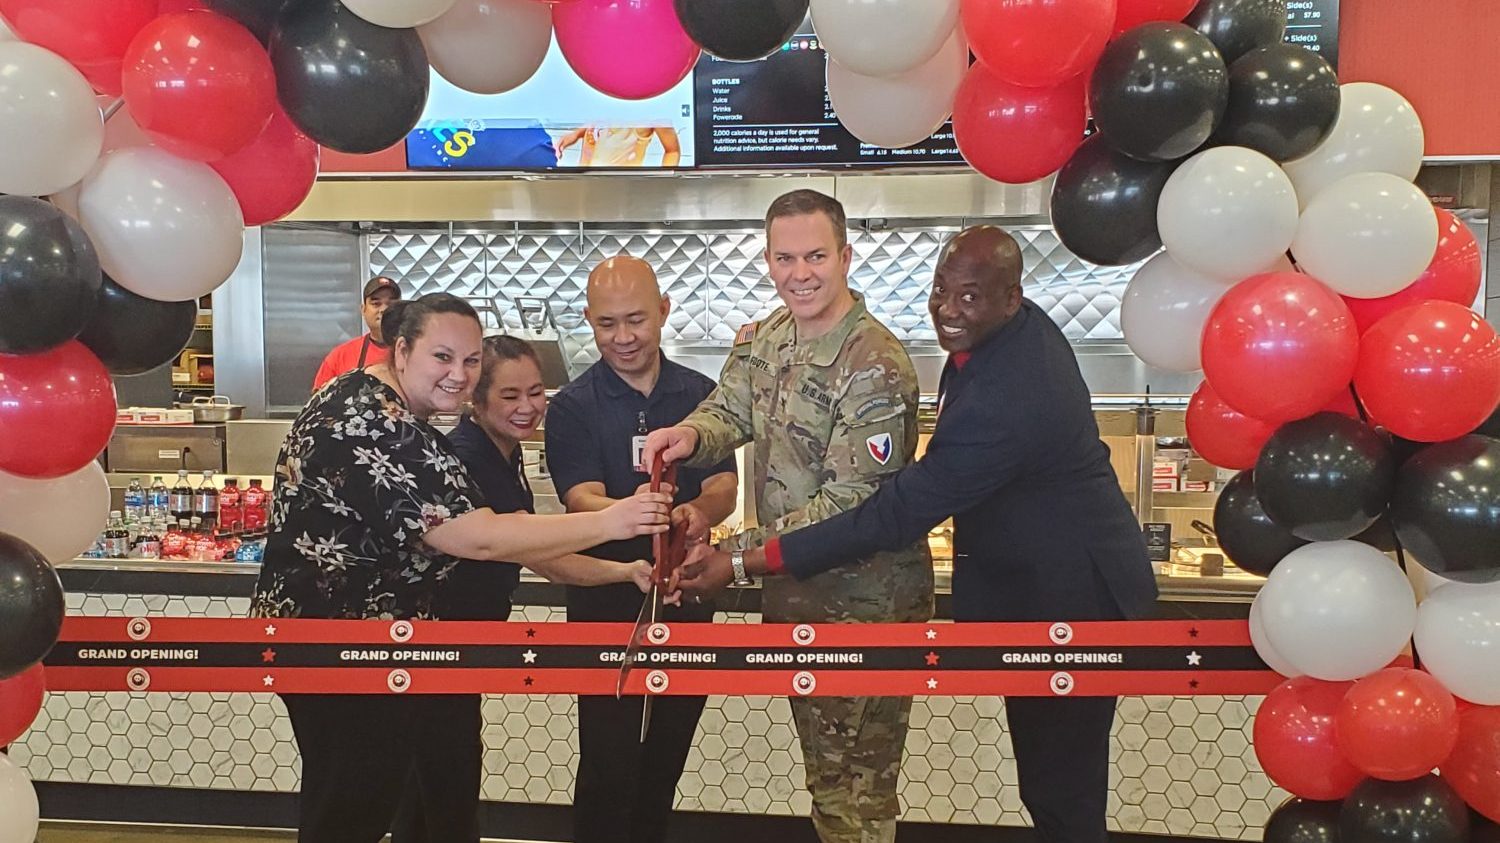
[830, 418]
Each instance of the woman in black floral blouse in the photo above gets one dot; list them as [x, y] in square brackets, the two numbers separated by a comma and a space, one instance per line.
[371, 509]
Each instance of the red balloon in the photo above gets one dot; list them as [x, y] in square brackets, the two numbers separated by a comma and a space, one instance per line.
[1280, 346]
[169, 7]
[1454, 275]
[1343, 404]
[1294, 739]
[91, 34]
[274, 173]
[20, 700]
[1038, 43]
[57, 409]
[1222, 435]
[1013, 134]
[1474, 766]
[199, 84]
[1396, 724]
[1133, 13]
[1429, 372]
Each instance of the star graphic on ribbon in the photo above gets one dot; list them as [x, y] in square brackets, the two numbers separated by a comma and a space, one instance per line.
[528, 680]
[530, 633]
[1194, 659]
[1193, 683]
[931, 634]
[268, 656]
[932, 659]
[1193, 633]
[932, 684]
[268, 680]
[270, 629]
[529, 657]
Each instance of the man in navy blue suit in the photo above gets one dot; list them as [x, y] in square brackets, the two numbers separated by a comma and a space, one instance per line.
[1041, 528]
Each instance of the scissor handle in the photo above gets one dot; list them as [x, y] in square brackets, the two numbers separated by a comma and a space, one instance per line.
[666, 548]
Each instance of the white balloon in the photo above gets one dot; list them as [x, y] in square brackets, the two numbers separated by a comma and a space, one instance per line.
[883, 37]
[1263, 648]
[1369, 235]
[399, 14]
[50, 128]
[5, 31]
[60, 517]
[1163, 312]
[1337, 610]
[165, 228]
[1457, 637]
[19, 812]
[120, 131]
[489, 46]
[1228, 211]
[1377, 131]
[904, 109]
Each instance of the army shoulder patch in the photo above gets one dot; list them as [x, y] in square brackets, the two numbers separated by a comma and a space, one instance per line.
[746, 333]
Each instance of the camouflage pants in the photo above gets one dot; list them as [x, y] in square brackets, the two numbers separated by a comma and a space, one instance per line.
[852, 749]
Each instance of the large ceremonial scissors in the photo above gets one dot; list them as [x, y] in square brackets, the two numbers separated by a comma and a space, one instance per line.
[668, 551]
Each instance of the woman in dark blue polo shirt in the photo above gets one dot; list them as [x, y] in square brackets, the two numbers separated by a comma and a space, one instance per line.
[509, 402]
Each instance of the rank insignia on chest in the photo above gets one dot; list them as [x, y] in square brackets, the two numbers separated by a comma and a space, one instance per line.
[880, 447]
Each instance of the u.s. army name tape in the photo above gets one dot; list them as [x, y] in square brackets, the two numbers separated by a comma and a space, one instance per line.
[1178, 658]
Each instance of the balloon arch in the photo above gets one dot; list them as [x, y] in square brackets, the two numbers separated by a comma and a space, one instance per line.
[1286, 252]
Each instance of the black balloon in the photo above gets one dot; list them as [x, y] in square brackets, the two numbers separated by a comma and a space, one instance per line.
[258, 16]
[1381, 535]
[31, 606]
[1283, 101]
[1424, 810]
[1158, 91]
[348, 84]
[1247, 535]
[1238, 26]
[132, 334]
[1303, 821]
[1447, 508]
[49, 276]
[741, 30]
[1104, 204]
[1325, 477]
[1491, 426]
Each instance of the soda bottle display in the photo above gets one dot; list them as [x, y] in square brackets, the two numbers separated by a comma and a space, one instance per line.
[116, 544]
[158, 499]
[206, 503]
[135, 500]
[174, 542]
[180, 499]
[231, 508]
[148, 543]
[257, 508]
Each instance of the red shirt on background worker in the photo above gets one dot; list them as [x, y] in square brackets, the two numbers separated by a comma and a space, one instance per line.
[368, 349]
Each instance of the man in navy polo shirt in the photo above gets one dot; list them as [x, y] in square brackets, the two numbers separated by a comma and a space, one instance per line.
[596, 428]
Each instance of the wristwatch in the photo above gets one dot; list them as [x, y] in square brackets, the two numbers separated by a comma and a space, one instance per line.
[737, 564]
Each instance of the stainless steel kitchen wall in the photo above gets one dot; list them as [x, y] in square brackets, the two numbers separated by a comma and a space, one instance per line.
[715, 276]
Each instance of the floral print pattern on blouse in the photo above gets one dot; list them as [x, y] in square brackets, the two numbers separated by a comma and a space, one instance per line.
[359, 481]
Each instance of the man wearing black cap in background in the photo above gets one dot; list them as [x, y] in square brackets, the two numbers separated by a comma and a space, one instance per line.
[368, 349]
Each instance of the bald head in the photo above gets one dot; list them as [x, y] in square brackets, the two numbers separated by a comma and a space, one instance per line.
[976, 287]
[627, 311]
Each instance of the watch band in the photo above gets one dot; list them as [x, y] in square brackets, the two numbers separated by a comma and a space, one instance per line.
[737, 565]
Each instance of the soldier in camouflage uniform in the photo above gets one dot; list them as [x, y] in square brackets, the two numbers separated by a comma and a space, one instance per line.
[829, 397]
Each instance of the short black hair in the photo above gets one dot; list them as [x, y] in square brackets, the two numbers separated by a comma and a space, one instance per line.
[499, 349]
[408, 318]
[802, 202]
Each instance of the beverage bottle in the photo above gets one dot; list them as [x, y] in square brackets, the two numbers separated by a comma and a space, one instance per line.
[257, 508]
[206, 503]
[135, 500]
[148, 543]
[158, 499]
[180, 499]
[174, 542]
[116, 539]
[231, 508]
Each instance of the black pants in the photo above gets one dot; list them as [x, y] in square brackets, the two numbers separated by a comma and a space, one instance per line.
[359, 753]
[624, 789]
[1062, 760]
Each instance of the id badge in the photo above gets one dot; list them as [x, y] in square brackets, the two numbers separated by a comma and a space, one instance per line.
[637, 450]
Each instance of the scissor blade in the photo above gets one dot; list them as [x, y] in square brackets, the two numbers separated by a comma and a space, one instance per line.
[644, 619]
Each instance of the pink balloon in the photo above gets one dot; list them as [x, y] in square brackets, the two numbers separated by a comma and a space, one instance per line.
[631, 49]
